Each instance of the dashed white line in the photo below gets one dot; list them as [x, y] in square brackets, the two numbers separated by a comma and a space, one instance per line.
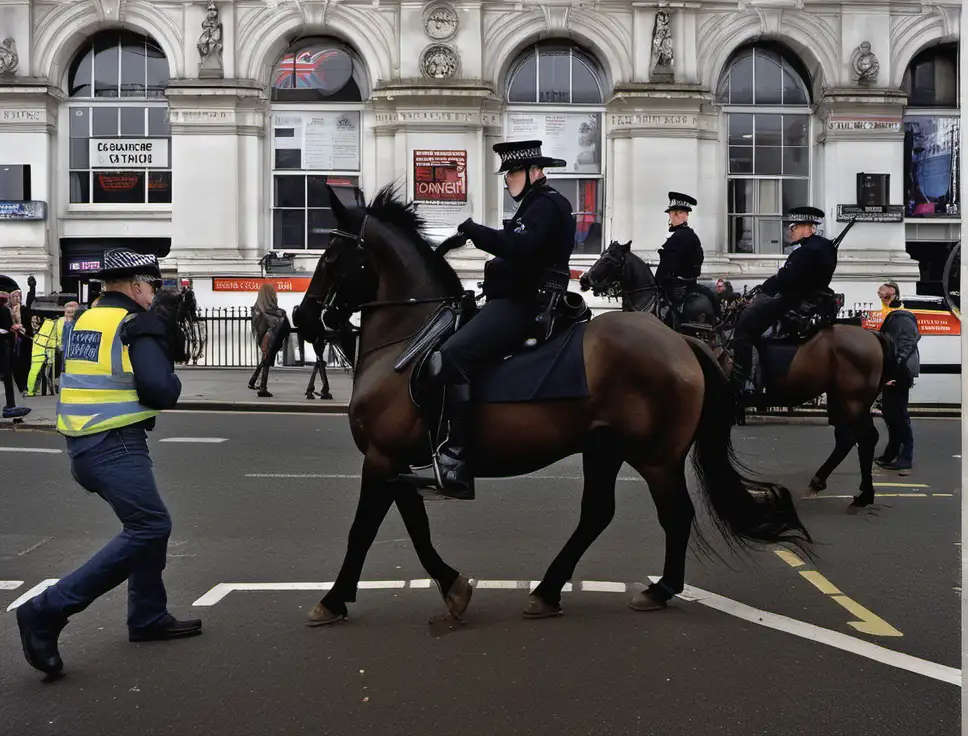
[41, 450]
[32, 547]
[35, 591]
[194, 440]
[356, 476]
[10, 584]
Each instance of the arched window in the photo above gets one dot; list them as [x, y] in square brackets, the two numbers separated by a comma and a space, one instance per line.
[932, 130]
[555, 93]
[318, 87]
[766, 98]
[120, 138]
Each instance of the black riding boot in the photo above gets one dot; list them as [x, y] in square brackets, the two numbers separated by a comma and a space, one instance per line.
[452, 464]
[738, 381]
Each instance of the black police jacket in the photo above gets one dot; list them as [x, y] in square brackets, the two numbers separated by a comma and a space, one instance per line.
[541, 235]
[681, 256]
[809, 268]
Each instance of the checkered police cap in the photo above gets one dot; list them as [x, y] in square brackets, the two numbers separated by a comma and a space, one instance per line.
[121, 262]
[680, 201]
[804, 215]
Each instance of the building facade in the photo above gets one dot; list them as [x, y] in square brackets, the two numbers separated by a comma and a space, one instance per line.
[206, 132]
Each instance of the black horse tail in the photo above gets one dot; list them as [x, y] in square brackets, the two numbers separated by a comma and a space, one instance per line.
[740, 516]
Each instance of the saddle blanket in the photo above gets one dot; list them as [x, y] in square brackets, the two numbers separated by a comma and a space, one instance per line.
[554, 370]
[776, 356]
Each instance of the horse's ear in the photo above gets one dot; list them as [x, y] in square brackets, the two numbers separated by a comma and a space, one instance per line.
[626, 246]
[339, 209]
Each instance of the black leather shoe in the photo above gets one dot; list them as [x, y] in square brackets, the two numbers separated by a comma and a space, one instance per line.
[39, 641]
[171, 628]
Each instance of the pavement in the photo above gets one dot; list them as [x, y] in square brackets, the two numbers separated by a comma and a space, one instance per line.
[864, 639]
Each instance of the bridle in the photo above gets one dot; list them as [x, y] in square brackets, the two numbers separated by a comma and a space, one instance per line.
[615, 289]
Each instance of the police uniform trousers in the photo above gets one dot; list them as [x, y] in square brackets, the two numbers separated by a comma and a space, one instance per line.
[498, 329]
[116, 466]
[753, 322]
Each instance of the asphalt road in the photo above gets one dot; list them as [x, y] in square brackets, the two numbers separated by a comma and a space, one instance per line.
[708, 666]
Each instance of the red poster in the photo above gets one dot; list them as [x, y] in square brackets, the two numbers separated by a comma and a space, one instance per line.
[929, 322]
[440, 176]
[254, 284]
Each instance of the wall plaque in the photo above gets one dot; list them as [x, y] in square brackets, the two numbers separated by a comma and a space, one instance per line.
[885, 213]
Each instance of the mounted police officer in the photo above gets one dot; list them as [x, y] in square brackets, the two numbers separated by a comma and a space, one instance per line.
[540, 236]
[681, 256]
[118, 375]
[808, 269]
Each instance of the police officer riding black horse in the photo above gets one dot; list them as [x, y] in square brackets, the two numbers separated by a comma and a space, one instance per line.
[807, 270]
[681, 256]
[538, 238]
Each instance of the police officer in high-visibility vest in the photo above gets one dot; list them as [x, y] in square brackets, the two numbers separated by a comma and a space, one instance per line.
[117, 376]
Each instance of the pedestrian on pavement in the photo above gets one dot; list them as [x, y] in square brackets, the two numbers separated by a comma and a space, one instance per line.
[8, 332]
[117, 377]
[270, 325]
[902, 326]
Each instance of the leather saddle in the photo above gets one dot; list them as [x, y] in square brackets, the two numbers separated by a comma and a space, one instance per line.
[810, 315]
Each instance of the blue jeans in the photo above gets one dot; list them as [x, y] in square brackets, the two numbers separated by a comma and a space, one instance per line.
[118, 469]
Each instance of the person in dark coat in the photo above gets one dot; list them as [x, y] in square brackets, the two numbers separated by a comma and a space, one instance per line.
[808, 269]
[540, 236]
[902, 327]
[270, 326]
[8, 333]
[681, 256]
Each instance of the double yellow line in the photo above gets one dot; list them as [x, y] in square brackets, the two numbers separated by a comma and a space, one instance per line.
[868, 623]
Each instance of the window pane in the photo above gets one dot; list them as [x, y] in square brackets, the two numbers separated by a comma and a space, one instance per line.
[588, 216]
[105, 121]
[769, 161]
[554, 77]
[769, 235]
[288, 158]
[741, 159]
[321, 221]
[794, 92]
[796, 130]
[768, 78]
[795, 161]
[740, 129]
[290, 191]
[157, 70]
[159, 187]
[106, 66]
[288, 229]
[80, 153]
[769, 197]
[769, 130]
[133, 121]
[80, 187]
[796, 193]
[119, 187]
[741, 234]
[132, 65]
[740, 196]
[316, 194]
[932, 169]
[741, 82]
[80, 122]
[584, 84]
[158, 124]
[80, 74]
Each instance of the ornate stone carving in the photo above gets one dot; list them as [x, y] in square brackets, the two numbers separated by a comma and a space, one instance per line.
[9, 60]
[662, 45]
[210, 44]
[440, 22]
[439, 62]
[864, 64]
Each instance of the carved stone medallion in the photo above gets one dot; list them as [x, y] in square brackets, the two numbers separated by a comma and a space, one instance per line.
[439, 62]
[440, 22]
[865, 64]
[9, 60]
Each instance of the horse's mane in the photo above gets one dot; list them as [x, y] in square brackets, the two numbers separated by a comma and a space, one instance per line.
[387, 207]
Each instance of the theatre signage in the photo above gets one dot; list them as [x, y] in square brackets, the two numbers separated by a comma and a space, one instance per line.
[129, 153]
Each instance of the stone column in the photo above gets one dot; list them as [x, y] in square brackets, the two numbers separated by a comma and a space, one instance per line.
[28, 121]
[217, 175]
[863, 131]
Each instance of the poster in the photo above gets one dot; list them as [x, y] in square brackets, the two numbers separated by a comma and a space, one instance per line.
[932, 166]
[440, 187]
[329, 141]
[129, 153]
[298, 283]
[574, 137]
[929, 322]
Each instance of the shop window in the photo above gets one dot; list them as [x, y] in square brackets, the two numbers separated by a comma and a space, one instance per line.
[120, 138]
[555, 94]
[932, 134]
[765, 97]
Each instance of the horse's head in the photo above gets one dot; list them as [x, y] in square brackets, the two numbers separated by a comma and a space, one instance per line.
[605, 275]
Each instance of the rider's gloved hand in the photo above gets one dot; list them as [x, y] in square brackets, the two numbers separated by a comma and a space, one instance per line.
[467, 225]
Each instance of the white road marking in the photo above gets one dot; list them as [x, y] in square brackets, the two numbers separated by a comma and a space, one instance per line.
[595, 586]
[10, 584]
[35, 591]
[822, 636]
[42, 450]
[193, 440]
[357, 476]
[32, 547]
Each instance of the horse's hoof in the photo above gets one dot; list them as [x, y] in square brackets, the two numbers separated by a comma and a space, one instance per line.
[322, 616]
[537, 607]
[326, 396]
[645, 602]
[311, 396]
[860, 502]
[817, 485]
[458, 598]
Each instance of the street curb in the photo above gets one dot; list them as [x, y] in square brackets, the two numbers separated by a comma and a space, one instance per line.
[322, 407]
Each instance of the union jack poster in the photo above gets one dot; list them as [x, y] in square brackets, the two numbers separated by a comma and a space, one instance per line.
[327, 69]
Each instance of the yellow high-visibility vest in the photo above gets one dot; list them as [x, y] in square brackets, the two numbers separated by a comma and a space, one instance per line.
[97, 387]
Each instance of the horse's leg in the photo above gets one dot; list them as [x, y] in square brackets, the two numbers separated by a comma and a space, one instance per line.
[600, 465]
[324, 394]
[311, 388]
[867, 436]
[845, 439]
[454, 588]
[376, 497]
[667, 484]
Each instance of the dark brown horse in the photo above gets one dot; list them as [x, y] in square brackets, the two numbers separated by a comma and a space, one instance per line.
[653, 396]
